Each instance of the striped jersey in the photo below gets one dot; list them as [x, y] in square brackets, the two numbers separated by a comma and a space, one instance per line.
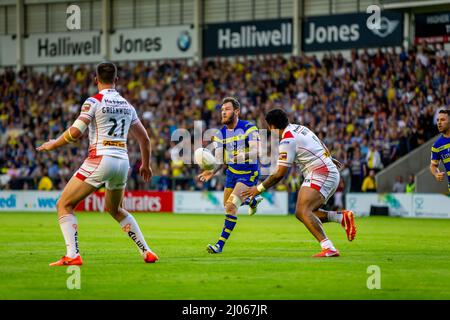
[441, 152]
[302, 147]
[236, 141]
[111, 117]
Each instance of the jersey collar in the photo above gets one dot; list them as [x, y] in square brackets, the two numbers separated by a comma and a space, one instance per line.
[237, 126]
[110, 90]
[286, 129]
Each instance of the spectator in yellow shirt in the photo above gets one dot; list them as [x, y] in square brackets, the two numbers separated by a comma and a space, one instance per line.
[369, 184]
[177, 167]
[45, 183]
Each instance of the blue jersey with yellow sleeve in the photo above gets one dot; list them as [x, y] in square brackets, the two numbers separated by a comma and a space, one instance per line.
[441, 152]
[236, 141]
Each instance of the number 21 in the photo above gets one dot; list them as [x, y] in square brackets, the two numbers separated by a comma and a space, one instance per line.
[114, 127]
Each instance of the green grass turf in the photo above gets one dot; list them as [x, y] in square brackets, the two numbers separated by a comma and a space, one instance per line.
[265, 258]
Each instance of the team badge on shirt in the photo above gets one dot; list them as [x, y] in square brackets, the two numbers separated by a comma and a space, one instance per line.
[85, 107]
[283, 156]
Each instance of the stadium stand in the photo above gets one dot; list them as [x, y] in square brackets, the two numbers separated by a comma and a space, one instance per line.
[370, 109]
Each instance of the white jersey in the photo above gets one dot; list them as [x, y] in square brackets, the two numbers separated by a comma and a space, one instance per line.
[302, 147]
[111, 117]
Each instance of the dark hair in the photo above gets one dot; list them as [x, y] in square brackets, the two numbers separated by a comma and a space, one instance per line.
[106, 72]
[234, 102]
[445, 111]
[277, 118]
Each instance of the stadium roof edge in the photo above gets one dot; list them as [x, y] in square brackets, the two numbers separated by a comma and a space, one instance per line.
[13, 2]
[412, 4]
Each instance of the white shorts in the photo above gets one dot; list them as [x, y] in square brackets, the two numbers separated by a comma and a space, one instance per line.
[99, 170]
[325, 180]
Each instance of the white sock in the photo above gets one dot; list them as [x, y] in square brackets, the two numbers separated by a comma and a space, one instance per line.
[69, 228]
[327, 244]
[335, 216]
[130, 226]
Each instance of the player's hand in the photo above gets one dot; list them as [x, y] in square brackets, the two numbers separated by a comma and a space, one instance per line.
[440, 176]
[146, 172]
[338, 164]
[206, 175]
[47, 146]
[250, 193]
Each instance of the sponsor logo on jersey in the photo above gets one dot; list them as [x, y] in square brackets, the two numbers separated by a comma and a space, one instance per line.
[108, 143]
[85, 107]
[283, 156]
[91, 100]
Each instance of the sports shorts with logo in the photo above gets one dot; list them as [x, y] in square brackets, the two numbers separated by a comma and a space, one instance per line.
[325, 180]
[107, 170]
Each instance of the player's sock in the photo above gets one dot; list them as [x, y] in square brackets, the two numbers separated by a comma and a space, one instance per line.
[327, 244]
[69, 228]
[230, 222]
[246, 202]
[131, 227]
[335, 216]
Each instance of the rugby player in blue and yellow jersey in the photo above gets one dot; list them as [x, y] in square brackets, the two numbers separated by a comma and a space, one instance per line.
[236, 146]
[441, 148]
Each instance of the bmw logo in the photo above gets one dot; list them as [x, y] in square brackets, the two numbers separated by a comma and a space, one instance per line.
[184, 41]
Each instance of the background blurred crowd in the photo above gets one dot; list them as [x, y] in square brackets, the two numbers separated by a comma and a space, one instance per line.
[369, 110]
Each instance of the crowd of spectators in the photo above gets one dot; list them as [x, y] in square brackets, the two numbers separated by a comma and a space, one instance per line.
[369, 109]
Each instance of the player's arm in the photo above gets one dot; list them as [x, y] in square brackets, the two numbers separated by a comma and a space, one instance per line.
[434, 169]
[273, 179]
[138, 132]
[71, 135]
[77, 129]
[285, 160]
[434, 165]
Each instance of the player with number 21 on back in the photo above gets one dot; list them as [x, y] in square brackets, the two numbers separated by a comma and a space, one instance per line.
[109, 119]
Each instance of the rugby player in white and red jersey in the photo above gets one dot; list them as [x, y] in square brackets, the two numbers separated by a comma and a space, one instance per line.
[110, 119]
[300, 146]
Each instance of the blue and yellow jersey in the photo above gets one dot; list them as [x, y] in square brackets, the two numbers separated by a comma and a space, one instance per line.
[237, 141]
[441, 152]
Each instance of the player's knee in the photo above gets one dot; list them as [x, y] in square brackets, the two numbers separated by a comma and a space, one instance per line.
[63, 205]
[230, 208]
[298, 215]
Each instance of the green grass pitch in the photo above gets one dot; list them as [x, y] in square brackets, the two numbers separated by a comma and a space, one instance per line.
[266, 257]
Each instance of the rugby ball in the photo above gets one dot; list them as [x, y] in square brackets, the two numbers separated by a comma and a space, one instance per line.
[204, 159]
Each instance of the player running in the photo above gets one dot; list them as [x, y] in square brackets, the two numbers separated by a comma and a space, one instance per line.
[110, 118]
[300, 146]
[236, 145]
[441, 148]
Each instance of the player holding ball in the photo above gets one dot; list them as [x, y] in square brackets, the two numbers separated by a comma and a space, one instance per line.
[236, 146]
